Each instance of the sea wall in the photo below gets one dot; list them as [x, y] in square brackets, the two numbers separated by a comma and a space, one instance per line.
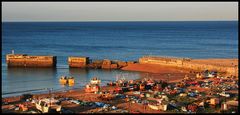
[187, 63]
[85, 62]
[80, 62]
[23, 60]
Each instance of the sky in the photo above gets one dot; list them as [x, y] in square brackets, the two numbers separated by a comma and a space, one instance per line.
[119, 11]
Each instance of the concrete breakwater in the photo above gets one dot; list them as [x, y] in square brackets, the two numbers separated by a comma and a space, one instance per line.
[187, 63]
[23, 60]
[81, 62]
[85, 62]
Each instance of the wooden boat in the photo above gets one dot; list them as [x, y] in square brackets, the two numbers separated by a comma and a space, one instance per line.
[71, 80]
[186, 77]
[22, 107]
[180, 84]
[154, 107]
[118, 90]
[90, 88]
[106, 97]
[158, 107]
[95, 80]
[63, 80]
[142, 87]
[45, 105]
[67, 80]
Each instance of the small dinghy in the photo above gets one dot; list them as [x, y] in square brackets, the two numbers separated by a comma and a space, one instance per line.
[67, 80]
[95, 80]
[63, 80]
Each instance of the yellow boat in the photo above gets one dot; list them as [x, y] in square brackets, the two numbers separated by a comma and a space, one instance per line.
[70, 80]
[67, 80]
[63, 80]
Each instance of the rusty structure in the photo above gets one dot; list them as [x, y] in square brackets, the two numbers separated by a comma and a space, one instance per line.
[80, 62]
[106, 64]
[85, 62]
[23, 60]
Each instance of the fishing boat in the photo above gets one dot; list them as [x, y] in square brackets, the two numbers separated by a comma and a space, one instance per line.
[95, 80]
[212, 74]
[90, 88]
[71, 80]
[67, 80]
[106, 97]
[142, 87]
[63, 80]
[93, 86]
[162, 107]
[46, 105]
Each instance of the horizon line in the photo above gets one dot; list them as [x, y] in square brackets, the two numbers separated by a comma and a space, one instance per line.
[127, 21]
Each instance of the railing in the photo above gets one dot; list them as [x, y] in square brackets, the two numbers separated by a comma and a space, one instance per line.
[166, 57]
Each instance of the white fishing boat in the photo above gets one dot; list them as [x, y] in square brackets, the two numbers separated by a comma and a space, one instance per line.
[45, 105]
[95, 80]
[162, 107]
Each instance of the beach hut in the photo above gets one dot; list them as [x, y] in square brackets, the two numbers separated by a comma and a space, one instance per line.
[224, 106]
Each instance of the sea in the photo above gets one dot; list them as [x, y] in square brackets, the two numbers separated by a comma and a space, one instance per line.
[126, 41]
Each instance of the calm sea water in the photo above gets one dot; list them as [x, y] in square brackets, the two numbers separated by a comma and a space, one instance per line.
[112, 40]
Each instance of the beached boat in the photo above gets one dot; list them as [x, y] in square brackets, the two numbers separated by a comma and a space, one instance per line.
[95, 80]
[162, 107]
[212, 74]
[46, 105]
[90, 88]
[106, 97]
[142, 87]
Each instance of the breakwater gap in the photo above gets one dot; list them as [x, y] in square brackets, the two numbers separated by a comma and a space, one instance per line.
[23, 60]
